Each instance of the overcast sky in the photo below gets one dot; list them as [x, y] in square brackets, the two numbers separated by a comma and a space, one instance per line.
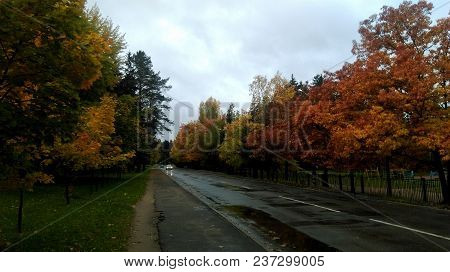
[215, 48]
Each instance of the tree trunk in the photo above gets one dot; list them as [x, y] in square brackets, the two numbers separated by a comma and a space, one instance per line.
[388, 176]
[20, 211]
[437, 161]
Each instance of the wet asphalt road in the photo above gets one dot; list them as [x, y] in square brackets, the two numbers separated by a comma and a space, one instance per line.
[332, 218]
[188, 225]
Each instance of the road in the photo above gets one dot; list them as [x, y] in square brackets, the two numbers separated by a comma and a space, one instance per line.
[281, 217]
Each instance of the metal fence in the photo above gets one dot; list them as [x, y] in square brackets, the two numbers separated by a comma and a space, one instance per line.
[409, 189]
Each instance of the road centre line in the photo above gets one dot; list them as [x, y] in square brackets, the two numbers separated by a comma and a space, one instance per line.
[411, 229]
[310, 204]
[374, 220]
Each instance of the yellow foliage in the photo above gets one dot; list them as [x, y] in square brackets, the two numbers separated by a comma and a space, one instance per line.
[93, 146]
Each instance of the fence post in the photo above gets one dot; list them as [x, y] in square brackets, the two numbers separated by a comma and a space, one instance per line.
[362, 183]
[286, 171]
[352, 183]
[424, 189]
[325, 178]
[340, 182]
[388, 176]
[314, 176]
[20, 211]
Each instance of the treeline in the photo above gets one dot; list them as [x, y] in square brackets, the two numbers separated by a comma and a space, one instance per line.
[386, 110]
[71, 102]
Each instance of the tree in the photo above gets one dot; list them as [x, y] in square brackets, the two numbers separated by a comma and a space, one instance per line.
[126, 123]
[165, 150]
[94, 146]
[413, 56]
[51, 53]
[138, 79]
[151, 94]
[110, 60]
[232, 114]
[186, 147]
[260, 94]
[209, 110]
[263, 91]
[317, 80]
[233, 150]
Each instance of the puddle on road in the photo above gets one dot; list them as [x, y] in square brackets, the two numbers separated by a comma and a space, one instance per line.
[286, 236]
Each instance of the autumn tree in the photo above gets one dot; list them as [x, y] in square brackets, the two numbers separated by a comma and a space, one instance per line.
[408, 63]
[389, 108]
[275, 97]
[52, 52]
[233, 150]
[94, 145]
[209, 110]
[186, 148]
[211, 117]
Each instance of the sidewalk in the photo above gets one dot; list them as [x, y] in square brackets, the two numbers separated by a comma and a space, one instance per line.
[186, 224]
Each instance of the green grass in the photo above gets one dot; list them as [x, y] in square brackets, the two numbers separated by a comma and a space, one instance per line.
[94, 221]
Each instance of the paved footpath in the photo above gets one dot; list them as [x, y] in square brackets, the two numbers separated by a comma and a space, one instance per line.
[186, 224]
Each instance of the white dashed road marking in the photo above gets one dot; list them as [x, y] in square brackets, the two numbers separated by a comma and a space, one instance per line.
[411, 229]
[310, 204]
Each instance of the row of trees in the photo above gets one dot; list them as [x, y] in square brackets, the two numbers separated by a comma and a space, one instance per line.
[388, 108]
[70, 101]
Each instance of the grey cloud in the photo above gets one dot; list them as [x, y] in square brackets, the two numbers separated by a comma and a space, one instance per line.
[214, 48]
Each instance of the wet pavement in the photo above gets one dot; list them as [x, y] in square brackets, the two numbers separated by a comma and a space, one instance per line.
[188, 225]
[281, 217]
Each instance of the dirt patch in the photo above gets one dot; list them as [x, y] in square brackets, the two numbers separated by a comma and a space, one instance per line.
[144, 236]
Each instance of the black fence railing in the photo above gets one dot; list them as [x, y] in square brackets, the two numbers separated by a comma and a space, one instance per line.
[409, 189]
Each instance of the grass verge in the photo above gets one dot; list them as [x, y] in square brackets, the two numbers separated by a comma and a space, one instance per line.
[94, 221]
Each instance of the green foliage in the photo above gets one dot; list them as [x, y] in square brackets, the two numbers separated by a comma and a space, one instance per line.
[126, 123]
[231, 114]
[140, 79]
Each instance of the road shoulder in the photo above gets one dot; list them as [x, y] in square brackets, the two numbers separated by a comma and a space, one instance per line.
[144, 237]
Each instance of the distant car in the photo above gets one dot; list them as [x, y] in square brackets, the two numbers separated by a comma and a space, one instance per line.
[169, 167]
